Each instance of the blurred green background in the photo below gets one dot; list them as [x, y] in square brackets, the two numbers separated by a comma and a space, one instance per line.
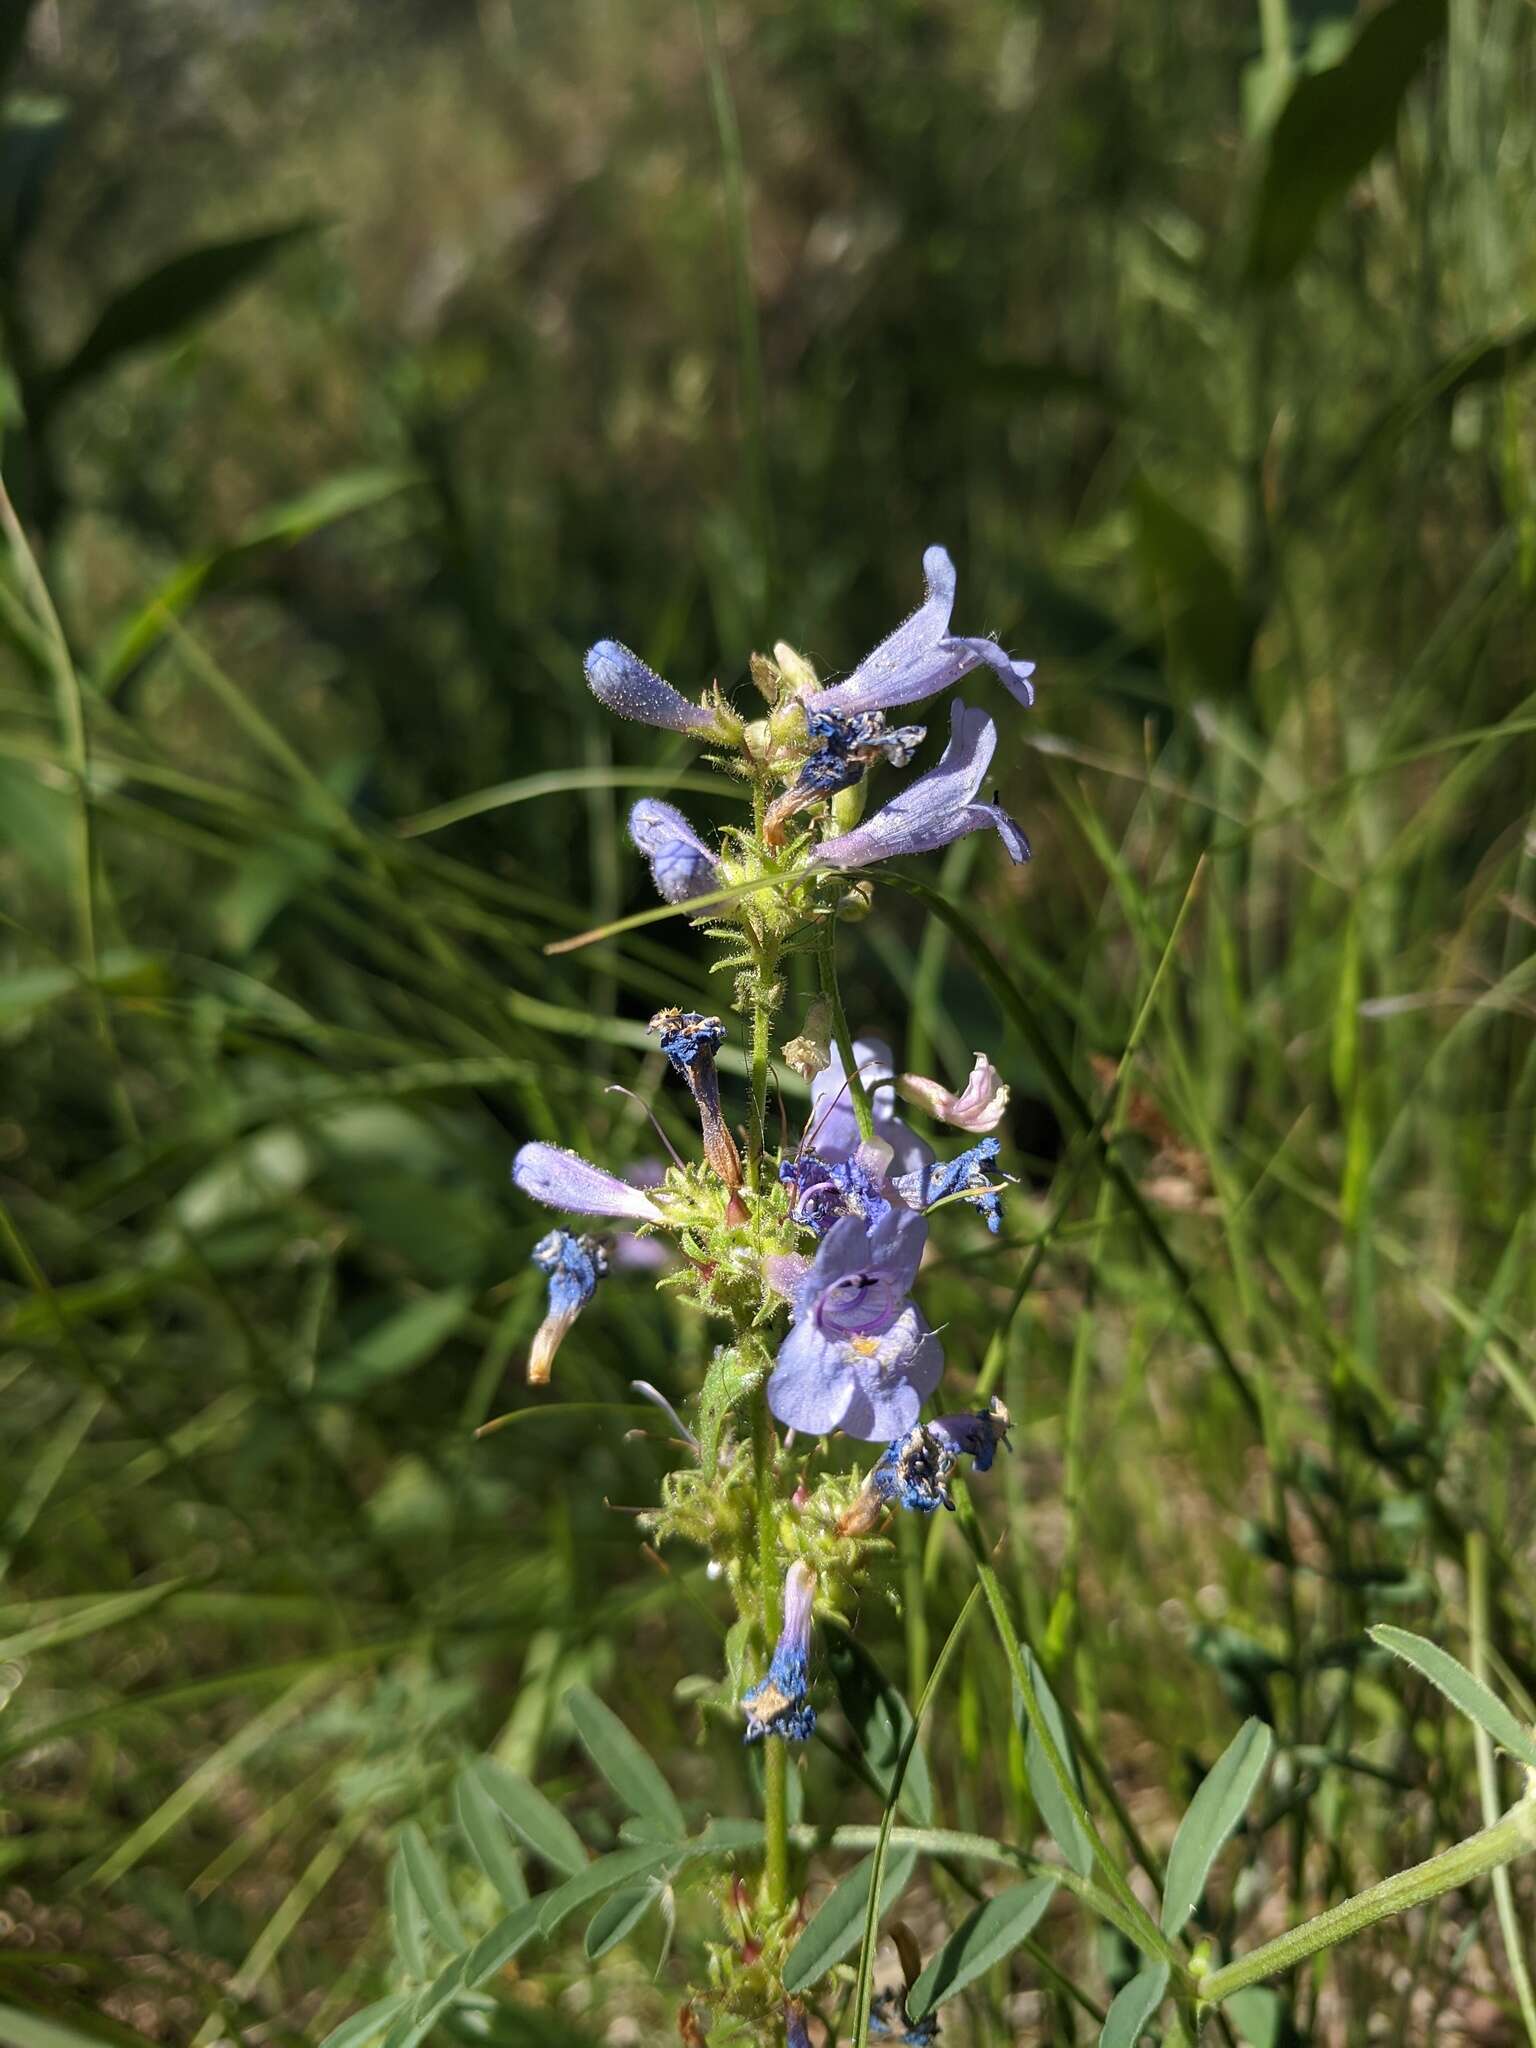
[366, 362]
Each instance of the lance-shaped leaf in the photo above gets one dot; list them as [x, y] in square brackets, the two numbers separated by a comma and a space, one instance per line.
[170, 299]
[484, 1828]
[993, 1931]
[543, 1827]
[1134, 2005]
[838, 1922]
[616, 1917]
[879, 1718]
[1067, 1831]
[629, 1770]
[1464, 1692]
[425, 1876]
[1331, 126]
[1213, 1813]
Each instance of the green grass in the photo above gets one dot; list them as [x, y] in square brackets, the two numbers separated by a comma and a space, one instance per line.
[277, 1006]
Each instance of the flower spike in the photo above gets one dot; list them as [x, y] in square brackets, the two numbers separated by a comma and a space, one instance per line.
[574, 1265]
[777, 1704]
[622, 681]
[921, 657]
[690, 1041]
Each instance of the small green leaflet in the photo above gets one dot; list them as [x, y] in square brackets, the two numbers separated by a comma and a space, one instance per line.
[485, 1830]
[838, 1922]
[627, 1767]
[1134, 2006]
[1213, 1813]
[993, 1931]
[1067, 1831]
[407, 1920]
[616, 1917]
[425, 1875]
[1466, 1693]
[366, 2025]
[546, 1831]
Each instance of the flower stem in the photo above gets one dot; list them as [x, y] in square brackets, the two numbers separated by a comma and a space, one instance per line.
[858, 1094]
[776, 1896]
[1477, 1856]
[762, 1018]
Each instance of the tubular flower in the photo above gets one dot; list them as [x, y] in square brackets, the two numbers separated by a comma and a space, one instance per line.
[965, 1176]
[622, 681]
[681, 864]
[848, 747]
[825, 1191]
[859, 1356]
[921, 657]
[777, 1704]
[914, 1471]
[689, 1041]
[978, 1107]
[937, 808]
[564, 1180]
[574, 1265]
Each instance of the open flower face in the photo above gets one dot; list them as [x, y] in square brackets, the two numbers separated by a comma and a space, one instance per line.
[859, 1357]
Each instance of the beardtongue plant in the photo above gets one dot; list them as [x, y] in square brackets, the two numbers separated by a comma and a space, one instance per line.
[808, 1258]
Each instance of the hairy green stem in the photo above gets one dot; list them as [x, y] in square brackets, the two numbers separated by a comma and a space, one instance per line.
[762, 1018]
[776, 1894]
[858, 1094]
[1477, 1856]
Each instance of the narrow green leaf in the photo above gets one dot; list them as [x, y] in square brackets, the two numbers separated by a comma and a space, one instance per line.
[1331, 126]
[880, 1719]
[1134, 2006]
[546, 1831]
[495, 1950]
[280, 527]
[838, 1922]
[629, 1770]
[20, 2029]
[605, 1875]
[430, 1886]
[367, 2025]
[615, 1918]
[993, 1931]
[1213, 1813]
[172, 298]
[84, 1621]
[484, 1828]
[398, 1345]
[1467, 1694]
[407, 1919]
[1067, 1831]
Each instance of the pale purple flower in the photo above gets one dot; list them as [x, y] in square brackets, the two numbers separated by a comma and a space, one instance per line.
[859, 1356]
[938, 807]
[681, 864]
[832, 1128]
[564, 1180]
[921, 657]
[978, 1107]
[622, 681]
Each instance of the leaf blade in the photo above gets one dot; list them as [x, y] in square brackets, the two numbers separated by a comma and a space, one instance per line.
[993, 1931]
[1066, 1830]
[1213, 1814]
[618, 1915]
[838, 1922]
[484, 1828]
[1467, 1694]
[546, 1830]
[1134, 2005]
[629, 1769]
